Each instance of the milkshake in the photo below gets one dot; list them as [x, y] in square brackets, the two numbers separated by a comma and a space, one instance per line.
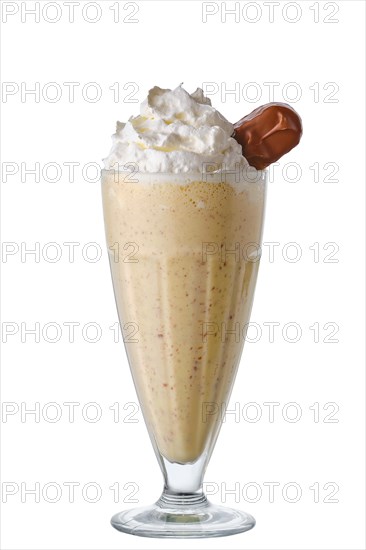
[183, 213]
[188, 290]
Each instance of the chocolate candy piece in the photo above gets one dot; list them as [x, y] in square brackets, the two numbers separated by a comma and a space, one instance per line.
[268, 133]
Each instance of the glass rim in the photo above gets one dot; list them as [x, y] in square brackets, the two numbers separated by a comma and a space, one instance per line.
[251, 176]
[217, 172]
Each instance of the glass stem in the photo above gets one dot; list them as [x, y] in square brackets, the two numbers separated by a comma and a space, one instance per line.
[183, 484]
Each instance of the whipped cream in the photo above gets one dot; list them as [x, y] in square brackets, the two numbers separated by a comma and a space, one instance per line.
[176, 132]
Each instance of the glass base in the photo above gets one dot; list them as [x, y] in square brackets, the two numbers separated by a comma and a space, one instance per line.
[190, 519]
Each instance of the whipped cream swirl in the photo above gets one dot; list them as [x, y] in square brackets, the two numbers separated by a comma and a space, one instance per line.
[176, 132]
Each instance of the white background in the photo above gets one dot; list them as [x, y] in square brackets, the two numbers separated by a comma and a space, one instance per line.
[168, 45]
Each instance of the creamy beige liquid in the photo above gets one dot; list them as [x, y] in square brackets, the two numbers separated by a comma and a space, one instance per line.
[184, 274]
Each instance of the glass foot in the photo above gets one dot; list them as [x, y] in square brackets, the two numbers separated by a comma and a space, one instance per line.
[186, 520]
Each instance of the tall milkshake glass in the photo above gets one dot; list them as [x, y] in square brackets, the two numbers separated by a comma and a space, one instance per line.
[184, 254]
